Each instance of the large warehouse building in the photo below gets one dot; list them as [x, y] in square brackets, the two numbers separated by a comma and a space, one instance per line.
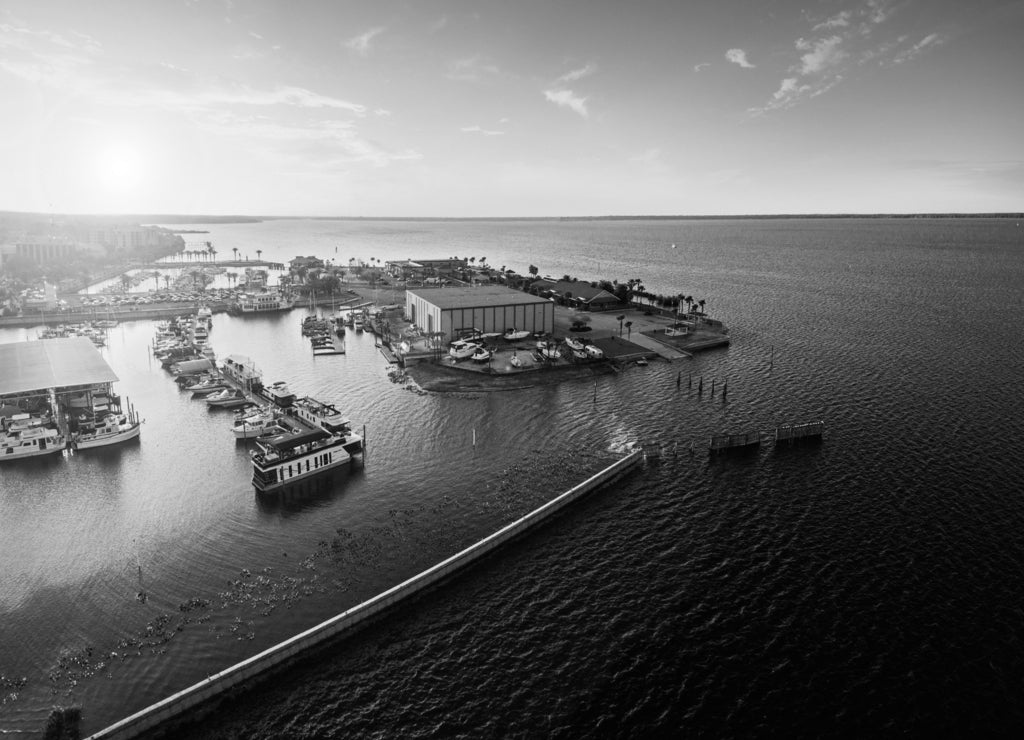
[489, 308]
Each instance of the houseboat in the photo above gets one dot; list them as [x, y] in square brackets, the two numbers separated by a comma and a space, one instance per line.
[278, 393]
[264, 301]
[326, 417]
[292, 457]
[242, 371]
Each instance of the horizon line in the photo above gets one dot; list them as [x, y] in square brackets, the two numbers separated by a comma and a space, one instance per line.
[229, 217]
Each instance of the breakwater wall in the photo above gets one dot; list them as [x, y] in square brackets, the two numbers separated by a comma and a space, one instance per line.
[214, 687]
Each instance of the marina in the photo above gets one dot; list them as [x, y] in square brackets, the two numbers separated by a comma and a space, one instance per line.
[187, 569]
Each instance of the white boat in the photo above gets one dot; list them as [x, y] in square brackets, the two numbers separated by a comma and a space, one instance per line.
[514, 335]
[278, 393]
[206, 387]
[573, 343]
[482, 354]
[515, 361]
[269, 300]
[594, 352]
[253, 424]
[227, 398]
[461, 349]
[113, 428]
[292, 457]
[30, 443]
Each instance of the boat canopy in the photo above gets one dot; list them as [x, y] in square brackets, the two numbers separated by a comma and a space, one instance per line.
[285, 442]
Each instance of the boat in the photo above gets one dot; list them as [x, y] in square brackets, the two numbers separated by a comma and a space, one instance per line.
[264, 301]
[206, 387]
[111, 430]
[278, 393]
[514, 335]
[594, 352]
[291, 457]
[327, 417]
[641, 361]
[242, 371]
[482, 354]
[461, 349]
[573, 343]
[254, 423]
[32, 442]
[226, 399]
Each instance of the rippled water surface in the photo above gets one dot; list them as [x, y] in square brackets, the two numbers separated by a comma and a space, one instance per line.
[870, 584]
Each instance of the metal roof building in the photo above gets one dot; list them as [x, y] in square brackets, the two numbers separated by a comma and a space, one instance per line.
[51, 363]
[489, 308]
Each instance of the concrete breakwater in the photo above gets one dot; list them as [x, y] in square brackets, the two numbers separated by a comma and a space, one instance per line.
[205, 693]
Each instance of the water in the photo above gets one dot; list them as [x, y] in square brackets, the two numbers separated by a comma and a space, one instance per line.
[867, 585]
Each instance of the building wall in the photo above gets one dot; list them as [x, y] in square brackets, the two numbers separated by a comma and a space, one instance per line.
[535, 317]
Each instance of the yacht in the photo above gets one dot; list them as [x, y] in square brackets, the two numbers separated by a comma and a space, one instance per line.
[278, 393]
[31, 442]
[110, 430]
[249, 425]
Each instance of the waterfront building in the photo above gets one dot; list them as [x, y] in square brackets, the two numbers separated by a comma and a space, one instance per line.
[489, 308]
[422, 269]
[578, 293]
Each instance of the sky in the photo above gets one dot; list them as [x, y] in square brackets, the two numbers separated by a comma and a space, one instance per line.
[504, 108]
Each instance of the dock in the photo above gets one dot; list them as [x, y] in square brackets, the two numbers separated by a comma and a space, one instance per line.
[744, 441]
[789, 434]
[328, 344]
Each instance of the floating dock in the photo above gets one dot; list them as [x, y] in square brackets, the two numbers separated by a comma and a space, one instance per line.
[744, 441]
[810, 431]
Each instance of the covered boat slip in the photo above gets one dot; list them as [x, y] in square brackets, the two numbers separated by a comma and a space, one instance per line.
[51, 363]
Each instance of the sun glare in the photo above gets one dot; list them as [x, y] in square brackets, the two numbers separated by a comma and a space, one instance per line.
[119, 168]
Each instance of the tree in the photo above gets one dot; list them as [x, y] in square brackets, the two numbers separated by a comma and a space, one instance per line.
[234, 251]
[156, 278]
[620, 318]
[534, 270]
[167, 282]
[701, 304]
[629, 329]
[259, 254]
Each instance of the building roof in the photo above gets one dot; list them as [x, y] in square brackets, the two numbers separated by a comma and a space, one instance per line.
[580, 290]
[51, 363]
[484, 295]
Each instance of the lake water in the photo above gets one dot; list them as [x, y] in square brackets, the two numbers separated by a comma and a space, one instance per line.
[868, 585]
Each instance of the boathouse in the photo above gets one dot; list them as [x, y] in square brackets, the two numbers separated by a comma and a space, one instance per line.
[31, 371]
[489, 308]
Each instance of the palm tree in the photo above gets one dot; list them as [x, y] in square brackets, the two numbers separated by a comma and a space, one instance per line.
[156, 278]
[701, 304]
[621, 317]
[167, 282]
[629, 329]
[212, 251]
[234, 251]
[259, 254]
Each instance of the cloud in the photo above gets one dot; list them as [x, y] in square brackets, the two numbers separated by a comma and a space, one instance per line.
[840, 20]
[820, 54]
[738, 56]
[851, 37]
[702, 65]
[577, 74]
[361, 44]
[482, 131]
[470, 69]
[932, 39]
[566, 99]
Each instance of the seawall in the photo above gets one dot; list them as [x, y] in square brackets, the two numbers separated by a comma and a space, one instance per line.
[152, 718]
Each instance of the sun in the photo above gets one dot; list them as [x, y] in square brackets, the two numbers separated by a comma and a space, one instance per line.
[119, 167]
